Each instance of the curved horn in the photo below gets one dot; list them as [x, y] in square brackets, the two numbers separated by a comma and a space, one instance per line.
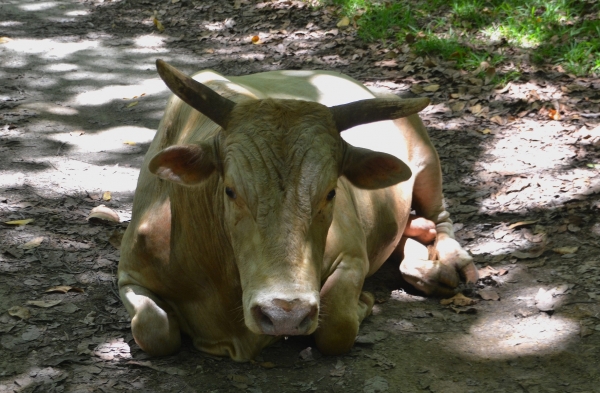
[195, 94]
[368, 111]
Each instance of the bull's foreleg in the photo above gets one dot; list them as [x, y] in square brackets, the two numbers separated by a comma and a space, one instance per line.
[427, 200]
[343, 307]
[154, 329]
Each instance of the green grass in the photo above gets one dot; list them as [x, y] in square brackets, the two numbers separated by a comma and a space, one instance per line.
[561, 32]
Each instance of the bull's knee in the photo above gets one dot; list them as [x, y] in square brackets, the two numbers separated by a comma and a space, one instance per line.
[337, 337]
[154, 329]
[337, 333]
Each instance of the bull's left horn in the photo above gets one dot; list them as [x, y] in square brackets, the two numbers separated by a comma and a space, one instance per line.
[195, 94]
[368, 111]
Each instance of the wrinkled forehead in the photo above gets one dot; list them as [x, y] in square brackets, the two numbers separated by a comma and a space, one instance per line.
[282, 141]
[287, 131]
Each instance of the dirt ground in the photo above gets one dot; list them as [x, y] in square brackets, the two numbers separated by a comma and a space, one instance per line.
[79, 103]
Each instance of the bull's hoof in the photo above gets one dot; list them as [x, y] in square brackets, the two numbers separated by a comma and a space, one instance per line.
[430, 277]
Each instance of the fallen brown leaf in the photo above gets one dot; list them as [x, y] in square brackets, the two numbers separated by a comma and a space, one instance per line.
[19, 222]
[43, 303]
[488, 294]
[566, 250]
[102, 214]
[458, 300]
[19, 312]
[32, 243]
[64, 289]
[522, 224]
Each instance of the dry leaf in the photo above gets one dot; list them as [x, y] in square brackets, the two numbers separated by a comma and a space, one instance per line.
[344, 22]
[130, 143]
[417, 89]
[19, 222]
[32, 243]
[268, 365]
[553, 114]
[64, 289]
[566, 250]
[499, 120]
[132, 104]
[458, 300]
[522, 224]
[431, 88]
[106, 196]
[103, 213]
[486, 131]
[4, 40]
[488, 294]
[545, 300]
[490, 72]
[158, 25]
[458, 106]
[19, 312]
[475, 109]
[488, 271]
[44, 303]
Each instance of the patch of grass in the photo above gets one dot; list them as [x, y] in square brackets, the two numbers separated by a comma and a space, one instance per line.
[565, 32]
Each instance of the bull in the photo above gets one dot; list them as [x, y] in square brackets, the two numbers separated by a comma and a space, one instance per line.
[254, 219]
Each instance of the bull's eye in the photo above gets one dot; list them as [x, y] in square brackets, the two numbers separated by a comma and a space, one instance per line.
[230, 193]
[331, 195]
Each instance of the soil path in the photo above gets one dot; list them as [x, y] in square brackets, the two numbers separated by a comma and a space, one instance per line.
[79, 103]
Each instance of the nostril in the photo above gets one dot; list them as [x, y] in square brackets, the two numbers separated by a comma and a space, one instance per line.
[263, 319]
[305, 324]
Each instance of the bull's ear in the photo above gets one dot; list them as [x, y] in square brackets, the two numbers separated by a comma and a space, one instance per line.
[370, 170]
[184, 164]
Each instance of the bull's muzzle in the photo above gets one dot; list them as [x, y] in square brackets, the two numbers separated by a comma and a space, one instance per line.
[280, 317]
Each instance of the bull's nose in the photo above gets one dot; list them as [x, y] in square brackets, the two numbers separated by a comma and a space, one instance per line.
[285, 318]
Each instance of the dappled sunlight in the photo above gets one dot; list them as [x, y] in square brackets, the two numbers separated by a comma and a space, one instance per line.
[149, 41]
[500, 337]
[77, 13]
[49, 48]
[49, 107]
[10, 23]
[61, 67]
[39, 6]
[116, 139]
[110, 93]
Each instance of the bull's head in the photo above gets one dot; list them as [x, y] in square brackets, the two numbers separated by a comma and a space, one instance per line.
[279, 163]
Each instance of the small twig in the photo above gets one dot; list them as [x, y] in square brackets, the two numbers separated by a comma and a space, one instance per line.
[589, 114]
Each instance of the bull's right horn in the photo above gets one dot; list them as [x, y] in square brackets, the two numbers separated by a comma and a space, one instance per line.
[368, 111]
[195, 94]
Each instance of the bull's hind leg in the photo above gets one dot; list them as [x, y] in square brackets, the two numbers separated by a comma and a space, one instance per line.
[343, 307]
[428, 200]
[154, 328]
